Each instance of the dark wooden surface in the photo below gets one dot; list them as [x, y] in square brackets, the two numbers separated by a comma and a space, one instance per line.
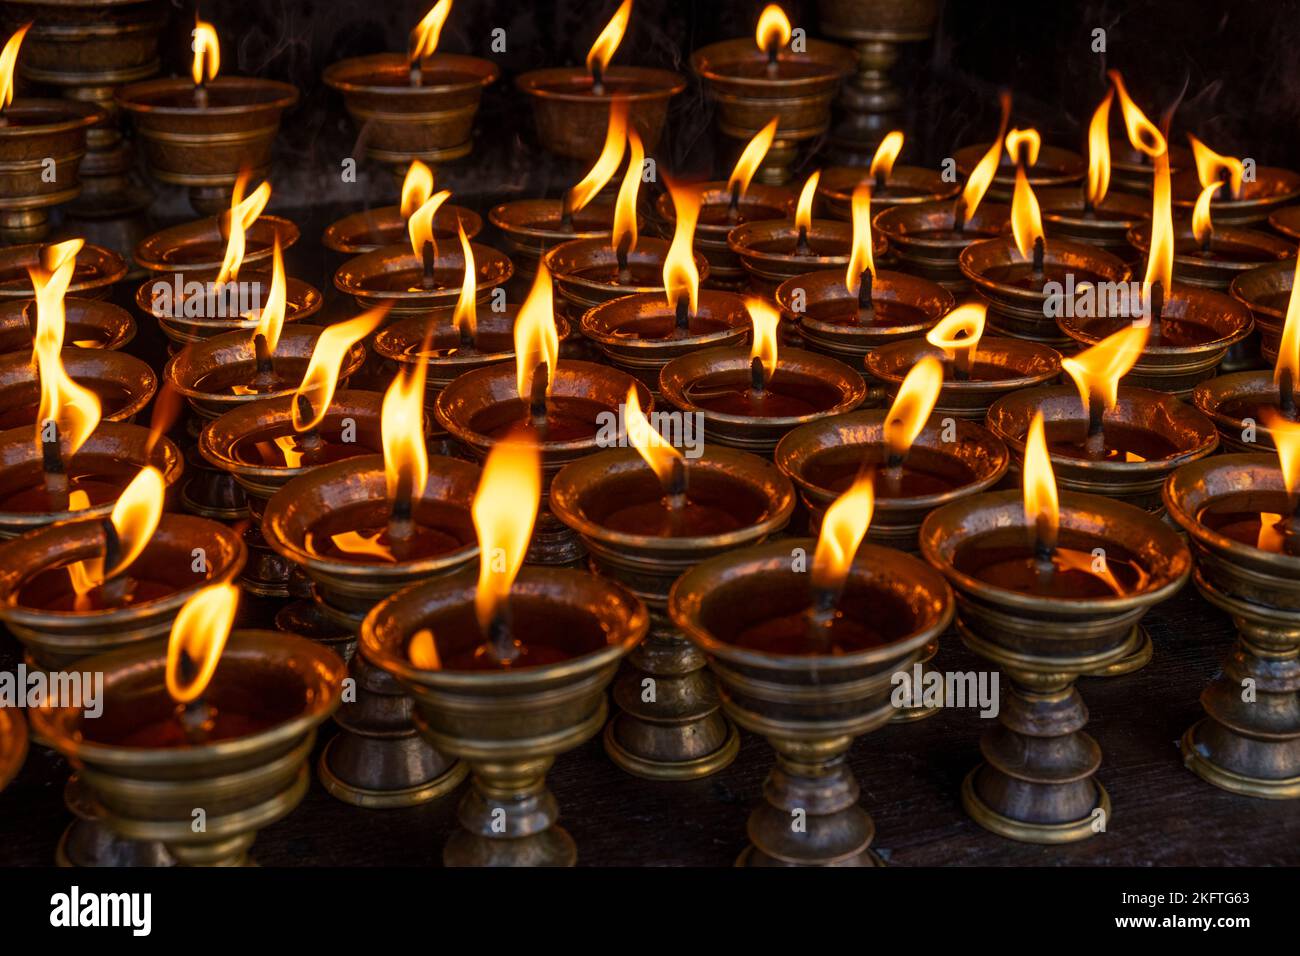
[910, 776]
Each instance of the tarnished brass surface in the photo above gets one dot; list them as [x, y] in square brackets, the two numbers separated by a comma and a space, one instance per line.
[1055, 167]
[40, 131]
[165, 251]
[1217, 272]
[355, 277]
[1266, 291]
[759, 201]
[1270, 189]
[89, 323]
[1212, 396]
[386, 226]
[918, 236]
[531, 227]
[302, 301]
[99, 269]
[568, 261]
[117, 372]
[917, 185]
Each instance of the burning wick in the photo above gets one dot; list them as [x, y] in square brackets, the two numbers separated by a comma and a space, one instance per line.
[56, 475]
[428, 255]
[1044, 549]
[1157, 302]
[733, 207]
[401, 520]
[197, 717]
[756, 383]
[1039, 249]
[1095, 445]
[624, 247]
[114, 589]
[683, 308]
[309, 442]
[537, 398]
[597, 78]
[1286, 402]
[265, 363]
[801, 246]
[959, 215]
[865, 306]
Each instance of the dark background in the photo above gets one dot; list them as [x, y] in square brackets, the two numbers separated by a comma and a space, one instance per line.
[1235, 65]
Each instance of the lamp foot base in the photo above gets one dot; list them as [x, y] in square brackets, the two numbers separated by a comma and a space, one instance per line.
[551, 847]
[753, 856]
[387, 799]
[1030, 832]
[687, 769]
[1139, 655]
[1198, 758]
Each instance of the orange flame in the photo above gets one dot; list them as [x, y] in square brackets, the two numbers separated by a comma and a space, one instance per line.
[207, 52]
[1026, 218]
[602, 51]
[465, 317]
[1160, 257]
[1099, 151]
[401, 425]
[681, 275]
[270, 320]
[1097, 371]
[843, 528]
[982, 175]
[424, 38]
[420, 226]
[243, 213]
[1286, 437]
[1143, 134]
[752, 157]
[74, 410]
[958, 333]
[423, 650]
[1202, 227]
[8, 58]
[625, 204]
[765, 321]
[1023, 146]
[773, 28]
[1042, 503]
[860, 257]
[135, 517]
[657, 451]
[417, 187]
[198, 637]
[537, 342]
[607, 163]
[322, 376]
[1211, 167]
[913, 405]
[504, 511]
[1288, 350]
[882, 164]
[803, 212]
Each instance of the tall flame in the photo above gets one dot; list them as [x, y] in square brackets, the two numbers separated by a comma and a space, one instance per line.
[1202, 227]
[135, 517]
[504, 511]
[860, 256]
[198, 637]
[1160, 257]
[537, 342]
[843, 528]
[1099, 151]
[322, 376]
[765, 321]
[424, 38]
[752, 157]
[401, 426]
[977, 184]
[417, 187]
[913, 405]
[1042, 503]
[602, 51]
[1288, 350]
[657, 451]
[1286, 437]
[243, 213]
[1026, 218]
[1023, 146]
[1096, 371]
[607, 163]
[625, 205]
[270, 320]
[1143, 135]
[803, 212]
[465, 317]
[773, 28]
[1211, 167]
[958, 333]
[420, 226]
[207, 52]
[8, 58]
[681, 275]
[74, 410]
[882, 164]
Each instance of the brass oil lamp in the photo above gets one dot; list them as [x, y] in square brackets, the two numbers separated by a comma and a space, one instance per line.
[362, 529]
[750, 398]
[1048, 587]
[753, 80]
[97, 271]
[570, 105]
[417, 105]
[1266, 291]
[977, 369]
[47, 129]
[1239, 511]
[202, 132]
[647, 514]
[1044, 167]
[643, 332]
[772, 624]
[220, 721]
[848, 313]
[1133, 157]
[507, 671]
[90, 324]
[1241, 202]
[725, 205]
[891, 184]
[87, 586]
[1019, 276]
